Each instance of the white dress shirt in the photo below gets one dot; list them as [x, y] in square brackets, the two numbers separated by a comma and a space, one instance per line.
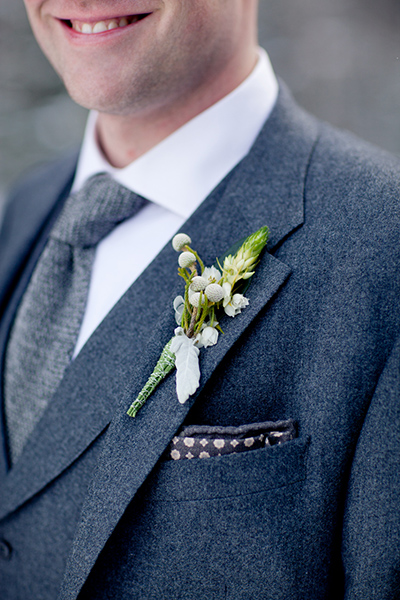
[176, 176]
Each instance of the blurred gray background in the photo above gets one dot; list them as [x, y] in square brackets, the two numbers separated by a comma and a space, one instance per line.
[341, 58]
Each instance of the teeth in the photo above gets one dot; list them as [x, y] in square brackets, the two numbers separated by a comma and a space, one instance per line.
[101, 26]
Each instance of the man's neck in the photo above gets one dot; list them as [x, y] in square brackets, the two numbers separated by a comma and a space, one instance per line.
[123, 138]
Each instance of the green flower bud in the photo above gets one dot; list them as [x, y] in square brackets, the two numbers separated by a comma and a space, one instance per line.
[255, 242]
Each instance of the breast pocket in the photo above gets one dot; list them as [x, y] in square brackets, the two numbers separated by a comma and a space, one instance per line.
[232, 524]
[232, 475]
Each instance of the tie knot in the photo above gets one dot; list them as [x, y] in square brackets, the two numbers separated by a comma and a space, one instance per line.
[91, 213]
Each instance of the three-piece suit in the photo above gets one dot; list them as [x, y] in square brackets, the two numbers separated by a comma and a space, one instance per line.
[92, 508]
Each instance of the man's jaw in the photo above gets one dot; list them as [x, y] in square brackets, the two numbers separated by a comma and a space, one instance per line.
[103, 25]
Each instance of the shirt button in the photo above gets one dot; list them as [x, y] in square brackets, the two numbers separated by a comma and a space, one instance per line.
[5, 550]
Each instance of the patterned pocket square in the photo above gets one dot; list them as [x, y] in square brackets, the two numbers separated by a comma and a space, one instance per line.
[204, 441]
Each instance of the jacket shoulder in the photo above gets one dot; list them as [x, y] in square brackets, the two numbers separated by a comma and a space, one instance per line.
[36, 193]
[354, 186]
[44, 178]
[357, 169]
[30, 206]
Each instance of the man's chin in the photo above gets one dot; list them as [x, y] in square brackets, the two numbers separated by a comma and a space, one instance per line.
[117, 98]
[89, 97]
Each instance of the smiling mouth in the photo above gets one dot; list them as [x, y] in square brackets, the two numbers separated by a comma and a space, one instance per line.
[102, 26]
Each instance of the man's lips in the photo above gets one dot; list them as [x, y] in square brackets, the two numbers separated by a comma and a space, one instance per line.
[87, 27]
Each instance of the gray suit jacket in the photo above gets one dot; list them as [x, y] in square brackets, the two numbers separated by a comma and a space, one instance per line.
[93, 510]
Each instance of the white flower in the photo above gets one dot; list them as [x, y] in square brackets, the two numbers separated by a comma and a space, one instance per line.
[179, 305]
[207, 337]
[214, 292]
[227, 292]
[180, 240]
[194, 299]
[186, 259]
[190, 294]
[234, 307]
[211, 274]
[198, 284]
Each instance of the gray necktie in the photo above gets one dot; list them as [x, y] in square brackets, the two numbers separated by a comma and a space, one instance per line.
[47, 323]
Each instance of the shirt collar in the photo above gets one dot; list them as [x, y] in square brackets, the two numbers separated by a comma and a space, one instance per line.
[182, 170]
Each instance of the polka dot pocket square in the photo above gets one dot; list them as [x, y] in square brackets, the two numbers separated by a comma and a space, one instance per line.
[204, 441]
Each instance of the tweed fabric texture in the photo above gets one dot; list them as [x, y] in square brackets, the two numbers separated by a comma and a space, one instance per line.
[91, 503]
[45, 331]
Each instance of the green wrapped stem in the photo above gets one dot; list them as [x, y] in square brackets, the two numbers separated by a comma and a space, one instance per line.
[165, 364]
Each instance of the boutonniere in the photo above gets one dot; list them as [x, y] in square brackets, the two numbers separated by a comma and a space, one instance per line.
[209, 292]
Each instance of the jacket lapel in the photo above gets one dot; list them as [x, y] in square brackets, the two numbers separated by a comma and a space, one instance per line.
[266, 188]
